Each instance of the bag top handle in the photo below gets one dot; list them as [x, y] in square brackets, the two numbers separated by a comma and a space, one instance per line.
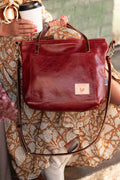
[54, 23]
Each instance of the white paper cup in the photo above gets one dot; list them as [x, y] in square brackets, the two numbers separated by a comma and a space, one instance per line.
[32, 11]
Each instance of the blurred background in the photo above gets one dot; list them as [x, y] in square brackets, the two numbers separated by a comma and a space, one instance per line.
[94, 18]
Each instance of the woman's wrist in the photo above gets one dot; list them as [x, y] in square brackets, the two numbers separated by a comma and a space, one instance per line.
[3, 29]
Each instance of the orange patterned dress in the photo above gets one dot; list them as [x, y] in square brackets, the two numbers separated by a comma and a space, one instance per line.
[55, 129]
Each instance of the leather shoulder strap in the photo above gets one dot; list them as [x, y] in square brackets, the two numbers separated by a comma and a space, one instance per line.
[19, 124]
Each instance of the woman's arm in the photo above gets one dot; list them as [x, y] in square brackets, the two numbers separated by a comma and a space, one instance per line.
[115, 91]
[21, 27]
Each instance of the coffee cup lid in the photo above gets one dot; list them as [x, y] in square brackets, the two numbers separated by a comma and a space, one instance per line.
[29, 5]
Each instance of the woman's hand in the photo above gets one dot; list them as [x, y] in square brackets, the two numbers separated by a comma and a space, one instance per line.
[21, 27]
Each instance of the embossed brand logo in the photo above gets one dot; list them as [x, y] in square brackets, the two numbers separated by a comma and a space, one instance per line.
[82, 88]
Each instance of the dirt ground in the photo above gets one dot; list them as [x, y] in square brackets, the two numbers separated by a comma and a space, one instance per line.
[108, 170]
[110, 173]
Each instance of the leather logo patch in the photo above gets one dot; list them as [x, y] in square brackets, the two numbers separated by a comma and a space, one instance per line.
[82, 88]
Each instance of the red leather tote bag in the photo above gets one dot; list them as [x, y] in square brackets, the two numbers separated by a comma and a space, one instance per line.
[63, 75]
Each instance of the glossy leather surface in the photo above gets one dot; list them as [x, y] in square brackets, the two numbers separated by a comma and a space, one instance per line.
[49, 78]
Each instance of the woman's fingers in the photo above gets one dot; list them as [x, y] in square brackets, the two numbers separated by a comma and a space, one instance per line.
[21, 27]
[25, 27]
